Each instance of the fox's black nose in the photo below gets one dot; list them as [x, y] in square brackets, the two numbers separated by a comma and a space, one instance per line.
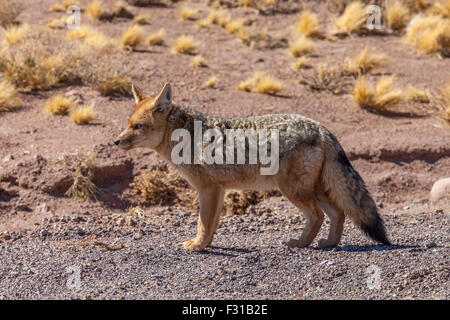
[117, 142]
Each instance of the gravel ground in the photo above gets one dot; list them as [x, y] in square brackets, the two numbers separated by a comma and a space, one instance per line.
[136, 257]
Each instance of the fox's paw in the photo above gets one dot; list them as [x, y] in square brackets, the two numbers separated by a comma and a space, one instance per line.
[193, 245]
[294, 243]
[324, 243]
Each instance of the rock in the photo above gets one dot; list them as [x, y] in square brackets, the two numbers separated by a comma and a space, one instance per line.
[79, 231]
[9, 157]
[43, 233]
[440, 190]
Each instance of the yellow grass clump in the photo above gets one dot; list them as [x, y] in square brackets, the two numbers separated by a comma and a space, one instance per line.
[203, 23]
[9, 10]
[94, 9]
[185, 45]
[419, 95]
[365, 62]
[141, 19]
[9, 97]
[56, 7]
[244, 35]
[301, 46]
[429, 34]
[82, 115]
[156, 38]
[210, 83]
[132, 37]
[378, 99]
[116, 85]
[300, 63]
[81, 167]
[234, 26]
[397, 15]
[198, 61]
[90, 37]
[444, 103]
[308, 24]
[15, 35]
[58, 105]
[67, 3]
[57, 23]
[262, 83]
[441, 7]
[187, 13]
[353, 17]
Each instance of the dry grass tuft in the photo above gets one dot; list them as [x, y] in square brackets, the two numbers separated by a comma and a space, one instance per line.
[353, 18]
[9, 98]
[156, 38]
[81, 167]
[141, 19]
[82, 115]
[300, 63]
[91, 37]
[187, 13]
[418, 95]
[203, 23]
[16, 34]
[95, 9]
[56, 7]
[57, 23]
[378, 99]
[429, 34]
[262, 83]
[185, 45]
[397, 15]
[301, 46]
[199, 61]
[132, 37]
[441, 7]
[308, 25]
[158, 186]
[116, 85]
[444, 103]
[365, 62]
[234, 26]
[244, 35]
[237, 203]
[9, 10]
[58, 105]
[210, 83]
[325, 77]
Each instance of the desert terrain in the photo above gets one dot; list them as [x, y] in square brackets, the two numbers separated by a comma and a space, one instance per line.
[123, 241]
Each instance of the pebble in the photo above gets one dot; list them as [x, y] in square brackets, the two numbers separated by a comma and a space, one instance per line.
[43, 233]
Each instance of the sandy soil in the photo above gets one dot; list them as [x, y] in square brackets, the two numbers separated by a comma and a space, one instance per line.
[399, 156]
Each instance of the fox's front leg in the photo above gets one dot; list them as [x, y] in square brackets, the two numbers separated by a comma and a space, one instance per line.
[211, 201]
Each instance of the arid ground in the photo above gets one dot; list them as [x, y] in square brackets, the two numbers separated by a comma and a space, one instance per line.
[399, 154]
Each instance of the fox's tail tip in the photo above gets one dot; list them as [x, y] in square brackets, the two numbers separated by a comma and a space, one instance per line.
[376, 231]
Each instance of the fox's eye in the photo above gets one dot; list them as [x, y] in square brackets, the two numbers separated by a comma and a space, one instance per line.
[137, 126]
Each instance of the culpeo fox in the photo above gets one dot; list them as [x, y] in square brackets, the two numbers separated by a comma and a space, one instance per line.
[314, 172]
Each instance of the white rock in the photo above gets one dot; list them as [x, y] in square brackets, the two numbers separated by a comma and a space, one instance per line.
[440, 190]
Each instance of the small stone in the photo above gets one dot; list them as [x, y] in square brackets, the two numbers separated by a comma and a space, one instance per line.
[79, 231]
[43, 233]
[176, 224]
[440, 190]
[182, 214]
[9, 157]
[432, 245]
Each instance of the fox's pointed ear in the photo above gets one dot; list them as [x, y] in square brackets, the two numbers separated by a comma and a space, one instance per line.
[139, 95]
[164, 99]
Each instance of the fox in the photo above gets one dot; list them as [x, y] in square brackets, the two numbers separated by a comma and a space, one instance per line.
[314, 173]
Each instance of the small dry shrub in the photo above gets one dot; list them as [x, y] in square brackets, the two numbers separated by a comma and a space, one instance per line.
[81, 167]
[429, 34]
[132, 37]
[444, 103]
[301, 46]
[158, 186]
[329, 78]
[141, 19]
[82, 115]
[418, 95]
[308, 24]
[9, 98]
[261, 82]
[300, 63]
[185, 45]
[156, 38]
[210, 83]
[199, 61]
[379, 99]
[397, 15]
[115, 85]
[353, 18]
[187, 13]
[9, 10]
[238, 202]
[365, 62]
[58, 104]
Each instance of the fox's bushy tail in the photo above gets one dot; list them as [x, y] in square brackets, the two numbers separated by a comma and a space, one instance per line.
[347, 190]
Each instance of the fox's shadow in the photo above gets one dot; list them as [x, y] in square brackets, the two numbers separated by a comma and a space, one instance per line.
[357, 248]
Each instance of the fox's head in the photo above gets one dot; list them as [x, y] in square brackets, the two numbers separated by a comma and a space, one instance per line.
[148, 121]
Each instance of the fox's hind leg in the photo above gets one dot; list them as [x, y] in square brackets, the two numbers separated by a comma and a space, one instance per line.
[337, 219]
[211, 200]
